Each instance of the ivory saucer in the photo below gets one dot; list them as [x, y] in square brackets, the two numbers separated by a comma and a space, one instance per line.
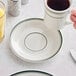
[32, 41]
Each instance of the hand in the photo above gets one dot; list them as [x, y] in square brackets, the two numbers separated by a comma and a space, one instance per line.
[73, 17]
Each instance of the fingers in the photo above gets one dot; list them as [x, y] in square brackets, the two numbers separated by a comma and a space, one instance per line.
[73, 12]
[73, 17]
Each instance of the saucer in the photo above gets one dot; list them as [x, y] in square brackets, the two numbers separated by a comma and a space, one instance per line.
[32, 41]
[31, 73]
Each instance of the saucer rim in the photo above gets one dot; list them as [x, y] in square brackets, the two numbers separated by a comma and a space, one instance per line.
[28, 71]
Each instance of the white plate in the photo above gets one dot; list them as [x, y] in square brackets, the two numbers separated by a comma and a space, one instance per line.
[31, 73]
[31, 40]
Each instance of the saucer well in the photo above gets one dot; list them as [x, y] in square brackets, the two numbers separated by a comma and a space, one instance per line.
[32, 41]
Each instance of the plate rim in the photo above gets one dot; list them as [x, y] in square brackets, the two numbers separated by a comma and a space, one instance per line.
[28, 59]
[37, 71]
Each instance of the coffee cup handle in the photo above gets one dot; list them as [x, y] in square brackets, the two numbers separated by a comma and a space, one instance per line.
[68, 20]
[66, 23]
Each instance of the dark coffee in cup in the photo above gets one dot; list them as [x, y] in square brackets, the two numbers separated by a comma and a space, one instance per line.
[58, 5]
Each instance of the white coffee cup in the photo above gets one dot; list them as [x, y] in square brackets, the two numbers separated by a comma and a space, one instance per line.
[55, 19]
